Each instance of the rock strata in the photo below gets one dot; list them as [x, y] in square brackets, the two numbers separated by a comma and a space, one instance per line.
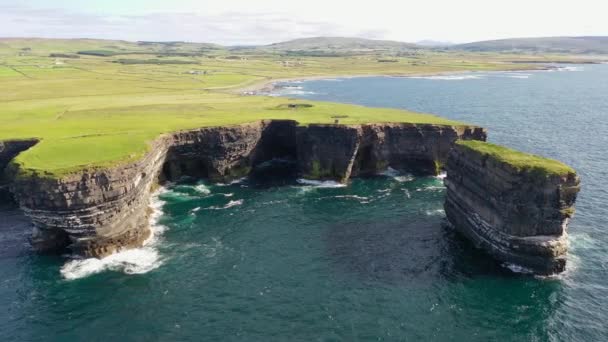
[9, 150]
[96, 212]
[519, 215]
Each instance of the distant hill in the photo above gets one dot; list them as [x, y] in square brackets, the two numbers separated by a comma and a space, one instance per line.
[571, 45]
[101, 47]
[433, 43]
[340, 45]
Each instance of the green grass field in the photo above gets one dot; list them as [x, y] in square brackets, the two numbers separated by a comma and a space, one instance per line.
[94, 111]
[519, 160]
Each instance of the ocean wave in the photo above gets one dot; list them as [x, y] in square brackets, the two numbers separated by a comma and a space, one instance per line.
[236, 181]
[296, 92]
[435, 212]
[361, 199]
[450, 77]
[320, 184]
[441, 175]
[227, 206]
[396, 175]
[132, 261]
[570, 68]
[517, 268]
[291, 87]
[202, 189]
[431, 188]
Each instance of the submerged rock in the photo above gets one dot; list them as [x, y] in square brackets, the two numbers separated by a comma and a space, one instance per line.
[519, 213]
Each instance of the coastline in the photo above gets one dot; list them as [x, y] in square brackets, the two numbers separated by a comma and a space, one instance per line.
[268, 85]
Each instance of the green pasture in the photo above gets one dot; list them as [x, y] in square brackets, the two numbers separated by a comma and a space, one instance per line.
[93, 111]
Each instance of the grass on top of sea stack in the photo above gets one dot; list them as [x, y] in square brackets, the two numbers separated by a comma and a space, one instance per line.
[519, 160]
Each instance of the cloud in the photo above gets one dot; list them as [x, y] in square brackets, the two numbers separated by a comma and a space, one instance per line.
[231, 28]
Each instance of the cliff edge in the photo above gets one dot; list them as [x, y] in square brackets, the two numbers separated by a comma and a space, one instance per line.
[514, 205]
[96, 212]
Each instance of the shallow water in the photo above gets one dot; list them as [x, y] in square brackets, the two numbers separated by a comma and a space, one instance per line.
[308, 261]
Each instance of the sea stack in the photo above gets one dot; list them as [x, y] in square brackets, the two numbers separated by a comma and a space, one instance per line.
[514, 205]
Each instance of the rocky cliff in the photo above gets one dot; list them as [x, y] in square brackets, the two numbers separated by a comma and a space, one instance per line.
[8, 150]
[339, 152]
[96, 212]
[518, 214]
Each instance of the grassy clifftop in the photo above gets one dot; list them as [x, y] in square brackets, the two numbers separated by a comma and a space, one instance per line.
[98, 110]
[104, 131]
[519, 160]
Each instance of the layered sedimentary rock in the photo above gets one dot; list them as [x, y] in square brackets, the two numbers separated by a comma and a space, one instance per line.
[519, 215]
[9, 150]
[96, 212]
[339, 152]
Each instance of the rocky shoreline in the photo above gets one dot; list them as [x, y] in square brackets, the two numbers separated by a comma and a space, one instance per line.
[517, 216]
[269, 85]
[97, 212]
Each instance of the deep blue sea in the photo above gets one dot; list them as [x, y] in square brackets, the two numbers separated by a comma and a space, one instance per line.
[370, 261]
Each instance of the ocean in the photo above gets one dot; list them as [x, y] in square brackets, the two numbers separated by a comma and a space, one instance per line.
[293, 260]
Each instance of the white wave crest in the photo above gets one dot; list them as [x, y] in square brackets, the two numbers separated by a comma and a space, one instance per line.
[450, 77]
[133, 261]
[396, 175]
[321, 184]
[236, 181]
[435, 212]
[202, 189]
[361, 199]
[228, 205]
[571, 68]
[430, 188]
[517, 268]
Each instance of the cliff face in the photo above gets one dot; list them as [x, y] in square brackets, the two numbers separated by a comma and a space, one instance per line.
[339, 152]
[9, 150]
[94, 212]
[97, 212]
[518, 216]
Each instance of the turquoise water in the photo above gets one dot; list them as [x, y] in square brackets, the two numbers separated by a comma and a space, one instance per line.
[290, 261]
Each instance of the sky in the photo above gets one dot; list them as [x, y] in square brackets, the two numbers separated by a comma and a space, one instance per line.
[252, 22]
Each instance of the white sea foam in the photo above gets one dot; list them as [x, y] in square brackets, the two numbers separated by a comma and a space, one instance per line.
[296, 92]
[570, 68]
[450, 77]
[431, 188]
[442, 175]
[236, 181]
[517, 268]
[435, 212]
[132, 261]
[228, 205]
[396, 175]
[361, 199]
[321, 184]
[202, 189]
